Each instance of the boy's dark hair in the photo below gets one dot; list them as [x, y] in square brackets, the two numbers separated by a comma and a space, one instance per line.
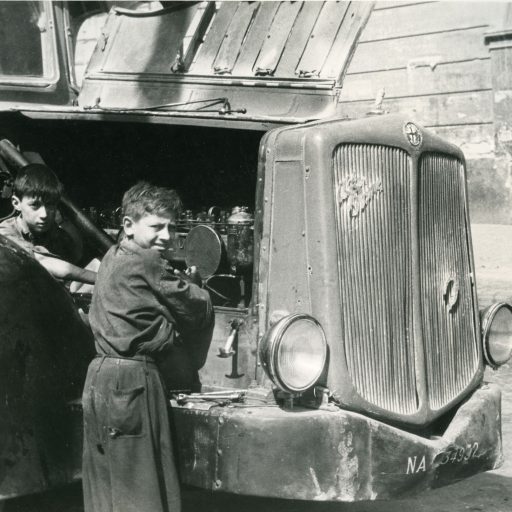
[39, 181]
[146, 199]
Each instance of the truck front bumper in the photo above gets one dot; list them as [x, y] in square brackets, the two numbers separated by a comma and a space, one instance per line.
[332, 455]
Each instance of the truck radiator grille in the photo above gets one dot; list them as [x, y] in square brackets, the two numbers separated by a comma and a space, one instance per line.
[446, 293]
[374, 228]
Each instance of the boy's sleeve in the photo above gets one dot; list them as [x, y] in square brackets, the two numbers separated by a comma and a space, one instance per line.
[189, 304]
[192, 309]
[7, 230]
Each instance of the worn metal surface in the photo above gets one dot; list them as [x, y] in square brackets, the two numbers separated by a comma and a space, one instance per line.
[245, 64]
[452, 340]
[237, 371]
[299, 162]
[233, 25]
[44, 352]
[270, 60]
[344, 456]
[376, 273]
[353, 233]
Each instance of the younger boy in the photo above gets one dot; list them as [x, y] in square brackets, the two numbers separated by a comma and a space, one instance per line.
[141, 310]
[36, 194]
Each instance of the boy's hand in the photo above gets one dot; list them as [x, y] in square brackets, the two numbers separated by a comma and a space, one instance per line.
[194, 275]
[191, 274]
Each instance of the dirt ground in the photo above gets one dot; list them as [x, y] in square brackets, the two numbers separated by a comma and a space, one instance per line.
[487, 492]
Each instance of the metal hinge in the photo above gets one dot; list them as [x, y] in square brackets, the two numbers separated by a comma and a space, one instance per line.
[103, 41]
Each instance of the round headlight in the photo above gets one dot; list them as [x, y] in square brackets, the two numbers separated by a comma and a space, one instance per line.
[293, 352]
[497, 333]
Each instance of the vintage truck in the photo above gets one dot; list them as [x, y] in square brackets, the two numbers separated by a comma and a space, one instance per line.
[349, 350]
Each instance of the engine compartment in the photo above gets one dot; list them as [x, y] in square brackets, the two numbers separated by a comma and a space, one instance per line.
[213, 170]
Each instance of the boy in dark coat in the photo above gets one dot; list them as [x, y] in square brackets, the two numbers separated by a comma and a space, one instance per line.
[141, 310]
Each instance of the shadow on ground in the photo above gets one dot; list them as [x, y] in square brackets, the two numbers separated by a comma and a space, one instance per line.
[489, 492]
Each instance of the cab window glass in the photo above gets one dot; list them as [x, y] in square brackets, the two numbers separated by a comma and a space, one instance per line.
[20, 55]
[26, 48]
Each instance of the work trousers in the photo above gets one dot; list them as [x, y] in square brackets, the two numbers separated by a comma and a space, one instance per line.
[128, 459]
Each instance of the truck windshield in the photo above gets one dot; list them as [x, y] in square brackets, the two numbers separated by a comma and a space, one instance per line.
[27, 49]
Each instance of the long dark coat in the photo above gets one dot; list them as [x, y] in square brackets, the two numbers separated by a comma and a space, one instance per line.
[142, 314]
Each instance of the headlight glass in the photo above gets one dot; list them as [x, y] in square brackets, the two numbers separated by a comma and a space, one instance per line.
[497, 333]
[294, 352]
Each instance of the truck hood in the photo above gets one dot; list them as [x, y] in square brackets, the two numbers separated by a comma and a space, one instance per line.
[240, 59]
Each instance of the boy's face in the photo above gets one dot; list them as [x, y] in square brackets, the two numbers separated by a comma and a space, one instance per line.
[150, 231]
[38, 216]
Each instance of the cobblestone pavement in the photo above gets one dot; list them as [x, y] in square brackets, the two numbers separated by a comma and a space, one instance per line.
[487, 492]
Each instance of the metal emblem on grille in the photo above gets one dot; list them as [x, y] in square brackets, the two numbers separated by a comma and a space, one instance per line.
[413, 134]
[451, 292]
[356, 193]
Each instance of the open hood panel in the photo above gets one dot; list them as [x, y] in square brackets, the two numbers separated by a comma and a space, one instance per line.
[254, 59]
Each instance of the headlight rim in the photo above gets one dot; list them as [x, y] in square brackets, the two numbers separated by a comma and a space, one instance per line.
[269, 350]
[487, 316]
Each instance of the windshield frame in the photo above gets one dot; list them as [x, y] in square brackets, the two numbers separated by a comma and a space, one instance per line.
[51, 72]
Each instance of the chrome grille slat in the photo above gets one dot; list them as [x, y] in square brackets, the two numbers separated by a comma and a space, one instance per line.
[451, 360]
[376, 274]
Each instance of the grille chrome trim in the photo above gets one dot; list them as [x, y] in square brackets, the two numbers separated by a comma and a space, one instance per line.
[388, 209]
[376, 273]
[446, 289]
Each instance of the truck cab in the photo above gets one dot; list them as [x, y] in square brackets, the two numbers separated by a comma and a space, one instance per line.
[349, 350]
